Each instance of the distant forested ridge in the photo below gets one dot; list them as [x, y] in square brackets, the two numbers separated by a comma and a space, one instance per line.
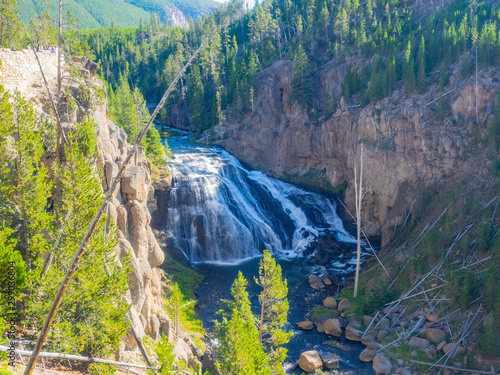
[124, 13]
[393, 44]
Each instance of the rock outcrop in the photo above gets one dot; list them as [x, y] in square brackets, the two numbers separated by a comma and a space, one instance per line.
[127, 207]
[405, 147]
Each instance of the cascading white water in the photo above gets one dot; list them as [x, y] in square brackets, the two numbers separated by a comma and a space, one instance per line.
[220, 212]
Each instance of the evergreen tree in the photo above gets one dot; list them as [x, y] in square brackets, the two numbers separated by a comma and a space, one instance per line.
[239, 348]
[10, 25]
[196, 96]
[421, 66]
[301, 78]
[273, 313]
[409, 70]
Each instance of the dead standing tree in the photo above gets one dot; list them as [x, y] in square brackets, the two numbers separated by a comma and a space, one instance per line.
[359, 193]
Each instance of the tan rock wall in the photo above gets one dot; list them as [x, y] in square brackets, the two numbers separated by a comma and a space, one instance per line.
[405, 147]
[20, 70]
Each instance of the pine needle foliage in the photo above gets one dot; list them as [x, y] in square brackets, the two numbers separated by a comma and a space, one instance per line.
[44, 215]
[239, 348]
[274, 310]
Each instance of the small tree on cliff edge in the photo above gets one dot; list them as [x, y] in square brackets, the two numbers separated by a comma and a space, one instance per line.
[274, 309]
[301, 78]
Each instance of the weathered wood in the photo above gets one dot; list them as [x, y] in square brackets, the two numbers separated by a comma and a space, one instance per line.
[77, 358]
[446, 93]
[93, 224]
[455, 368]
[369, 325]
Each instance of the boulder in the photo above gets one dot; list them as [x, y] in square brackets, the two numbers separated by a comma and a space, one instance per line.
[382, 335]
[403, 371]
[367, 355]
[305, 326]
[441, 345]
[331, 361]
[133, 183]
[352, 333]
[330, 303]
[368, 339]
[367, 320]
[332, 327]
[326, 279]
[419, 343]
[343, 305]
[434, 335]
[310, 361]
[448, 347]
[373, 345]
[384, 324]
[381, 365]
[315, 282]
[431, 318]
[320, 328]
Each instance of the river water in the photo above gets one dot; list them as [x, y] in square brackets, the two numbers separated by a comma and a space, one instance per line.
[221, 216]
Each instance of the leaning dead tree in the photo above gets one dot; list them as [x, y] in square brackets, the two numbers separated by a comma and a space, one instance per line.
[93, 224]
[359, 193]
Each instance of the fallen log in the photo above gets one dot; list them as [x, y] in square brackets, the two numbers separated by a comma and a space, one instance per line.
[455, 368]
[71, 357]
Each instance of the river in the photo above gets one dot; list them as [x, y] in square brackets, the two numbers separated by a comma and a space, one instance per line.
[221, 216]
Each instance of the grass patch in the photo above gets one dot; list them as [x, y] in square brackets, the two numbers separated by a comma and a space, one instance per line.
[187, 280]
[404, 352]
[322, 313]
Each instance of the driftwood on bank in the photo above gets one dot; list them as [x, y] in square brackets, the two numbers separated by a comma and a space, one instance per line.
[93, 224]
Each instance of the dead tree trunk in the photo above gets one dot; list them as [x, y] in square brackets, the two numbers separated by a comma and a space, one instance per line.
[358, 189]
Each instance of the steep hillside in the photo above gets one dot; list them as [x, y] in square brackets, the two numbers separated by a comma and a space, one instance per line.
[124, 13]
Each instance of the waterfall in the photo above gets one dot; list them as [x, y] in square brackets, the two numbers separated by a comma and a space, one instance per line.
[220, 212]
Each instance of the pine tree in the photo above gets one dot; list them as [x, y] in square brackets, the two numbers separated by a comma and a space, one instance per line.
[196, 96]
[301, 78]
[239, 348]
[273, 313]
[10, 25]
[325, 18]
[409, 70]
[421, 66]
[91, 317]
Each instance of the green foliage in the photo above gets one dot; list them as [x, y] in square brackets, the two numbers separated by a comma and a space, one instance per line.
[322, 313]
[301, 78]
[91, 317]
[239, 348]
[175, 301]
[186, 279]
[10, 28]
[166, 358]
[489, 343]
[128, 110]
[274, 310]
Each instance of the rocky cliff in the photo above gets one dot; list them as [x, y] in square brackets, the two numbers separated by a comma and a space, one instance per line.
[127, 208]
[406, 148]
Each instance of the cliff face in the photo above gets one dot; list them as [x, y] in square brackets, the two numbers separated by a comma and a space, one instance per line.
[127, 208]
[405, 148]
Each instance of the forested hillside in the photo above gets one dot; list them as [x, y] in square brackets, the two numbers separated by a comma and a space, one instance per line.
[390, 42]
[125, 13]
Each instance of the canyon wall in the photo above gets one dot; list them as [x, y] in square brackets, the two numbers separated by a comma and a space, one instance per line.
[405, 147]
